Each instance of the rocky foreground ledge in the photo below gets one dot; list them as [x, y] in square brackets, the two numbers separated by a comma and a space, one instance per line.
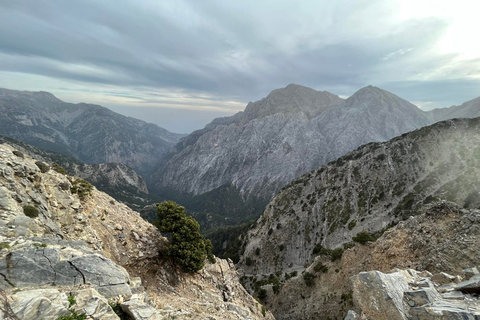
[409, 294]
[69, 249]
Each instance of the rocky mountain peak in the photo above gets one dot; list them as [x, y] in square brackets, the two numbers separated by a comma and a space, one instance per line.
[373, 97]
[293, 99]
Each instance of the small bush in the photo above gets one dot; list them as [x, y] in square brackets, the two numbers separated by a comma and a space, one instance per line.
[18, 154]
[73, 314]
[58, 168]
[30, 211]
[317, 249]
[363, 237]
[248, 261]
[336, 254]
[262, 294]
[257, 251]
[42, 166]
[281, 247]
[320, 267]
[82, 188]
[352, 224]
[308, 277]
[270, 232]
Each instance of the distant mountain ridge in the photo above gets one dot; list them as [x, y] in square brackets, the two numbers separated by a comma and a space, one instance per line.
[91, 133]
[295, 129]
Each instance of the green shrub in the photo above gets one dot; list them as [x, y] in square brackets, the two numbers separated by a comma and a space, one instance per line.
[248, 261]
[42, 166]
[58, 168]
[188, 248]
[363, 237]
[352, 224]
[257, 251]
[336, 254]
[30, 211]
[317, 249]
[308, 277]
[82, 188]
[320, 267]
[270, 231]
[262, 294]
[73, 314]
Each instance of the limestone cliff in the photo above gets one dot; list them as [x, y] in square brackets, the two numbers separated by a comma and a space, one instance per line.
[60, 236]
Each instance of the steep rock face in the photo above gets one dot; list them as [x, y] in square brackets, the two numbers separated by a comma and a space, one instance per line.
[291, 131]
[370, 115]
[441, 237]
[88, 132]
[368, 189]
[92, 240]
[256, 151]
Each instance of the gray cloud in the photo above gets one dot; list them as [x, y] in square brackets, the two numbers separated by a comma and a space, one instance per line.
[219, 55]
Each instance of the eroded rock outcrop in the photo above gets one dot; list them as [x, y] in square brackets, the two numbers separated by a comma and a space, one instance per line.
[408, 294]
[442, 239]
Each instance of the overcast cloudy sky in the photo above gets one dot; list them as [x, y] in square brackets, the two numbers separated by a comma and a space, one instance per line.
[181, 63]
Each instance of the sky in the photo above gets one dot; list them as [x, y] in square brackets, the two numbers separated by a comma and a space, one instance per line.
[181, 63]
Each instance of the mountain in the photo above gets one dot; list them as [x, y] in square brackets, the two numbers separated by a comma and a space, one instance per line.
[369, 189]
[91, 133]
[66, 251]
[469, 109]
[236, 164]
[116, 179]
[428, 254]
[411, 202]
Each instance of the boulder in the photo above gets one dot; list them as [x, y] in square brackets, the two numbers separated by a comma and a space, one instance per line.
[470, 286]
[470, 272]
[50, 304]
[40, 304]
[379, 295]
[140, 310]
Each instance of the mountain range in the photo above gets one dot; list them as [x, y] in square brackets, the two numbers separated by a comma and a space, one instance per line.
[236, 164]
[227, 172]
[90, 133]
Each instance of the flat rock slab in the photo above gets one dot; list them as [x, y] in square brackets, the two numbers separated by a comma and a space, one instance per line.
[44, 266]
